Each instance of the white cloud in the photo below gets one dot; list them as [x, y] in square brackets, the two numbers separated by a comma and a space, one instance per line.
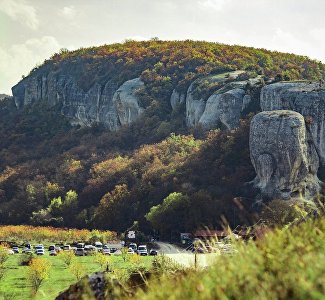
[20, 11]
[69, 12]
[19, 59]
[217, 5]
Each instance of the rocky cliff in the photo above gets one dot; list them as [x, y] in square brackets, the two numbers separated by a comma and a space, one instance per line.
[105, 103]
[287, 139]
[210, 101]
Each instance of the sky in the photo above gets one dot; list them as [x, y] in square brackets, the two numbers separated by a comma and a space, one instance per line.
[33, 30]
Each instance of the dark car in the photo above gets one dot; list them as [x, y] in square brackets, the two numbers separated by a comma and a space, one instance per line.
[153, 252]
[52, 247]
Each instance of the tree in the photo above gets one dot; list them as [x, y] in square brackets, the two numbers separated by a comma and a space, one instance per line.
[38, 271]
[171, 214]
[78, 270]
[4, 254]
[103, 261]
[67, 257]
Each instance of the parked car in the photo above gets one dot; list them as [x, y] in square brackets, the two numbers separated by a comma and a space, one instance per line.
[53, 253]
[142, 250]
[66, 248]
[80, 252]
[131, 251]
[80, 245]
[11, 252]
[39, 247]
[113, 250]
[90, 250]
[106, 251]
[15, 249]
[133, 246]
[99, 246]
[28, 245]
[153, 252]
[52, 247]
[27, 251]
[40, 251]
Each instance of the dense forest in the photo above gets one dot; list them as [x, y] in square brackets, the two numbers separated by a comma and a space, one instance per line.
[156, 172]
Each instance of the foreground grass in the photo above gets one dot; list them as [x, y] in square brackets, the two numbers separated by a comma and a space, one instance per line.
[15, 284]
[286, 264]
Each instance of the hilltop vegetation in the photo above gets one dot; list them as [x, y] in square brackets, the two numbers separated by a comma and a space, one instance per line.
[54, 174]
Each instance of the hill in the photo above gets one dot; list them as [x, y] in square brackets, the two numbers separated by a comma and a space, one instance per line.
[108, 137]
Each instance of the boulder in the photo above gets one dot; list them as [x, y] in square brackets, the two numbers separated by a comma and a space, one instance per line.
[306, 98]
[285, 163]
[126, 101]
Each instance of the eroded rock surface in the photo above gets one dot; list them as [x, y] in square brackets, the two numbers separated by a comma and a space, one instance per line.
[285, 163]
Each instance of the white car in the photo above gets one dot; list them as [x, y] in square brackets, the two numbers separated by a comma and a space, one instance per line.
[40, 252]
[99, 246]
[142, 250]
[39, 247]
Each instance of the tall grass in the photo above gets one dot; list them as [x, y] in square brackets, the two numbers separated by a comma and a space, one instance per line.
[288, 263]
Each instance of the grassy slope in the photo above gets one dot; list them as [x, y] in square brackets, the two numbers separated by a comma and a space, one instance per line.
[15, 280]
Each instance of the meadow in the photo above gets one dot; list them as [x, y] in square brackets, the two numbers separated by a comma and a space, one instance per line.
[16, 285]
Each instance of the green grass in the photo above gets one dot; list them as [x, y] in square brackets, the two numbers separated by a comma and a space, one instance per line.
[15, 281]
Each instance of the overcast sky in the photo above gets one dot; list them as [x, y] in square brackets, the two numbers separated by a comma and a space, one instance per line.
[32, 30]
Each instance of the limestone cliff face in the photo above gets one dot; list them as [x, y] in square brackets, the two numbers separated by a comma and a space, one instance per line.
[126, 101]
[223, 109]
[102, 103]
[223, 106]
[306, 98]
[285, 163]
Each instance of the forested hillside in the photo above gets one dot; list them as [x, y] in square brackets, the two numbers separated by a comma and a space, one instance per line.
[154, 173]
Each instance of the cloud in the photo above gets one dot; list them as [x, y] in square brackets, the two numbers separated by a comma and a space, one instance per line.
[217, 5]
[68, 12]
[19, 59]
[20, 11]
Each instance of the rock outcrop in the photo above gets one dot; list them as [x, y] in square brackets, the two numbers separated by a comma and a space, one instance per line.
[223, 109]
[306, 98]
[285, 163]
[177, 98]
[126, 101]
[102, 103]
